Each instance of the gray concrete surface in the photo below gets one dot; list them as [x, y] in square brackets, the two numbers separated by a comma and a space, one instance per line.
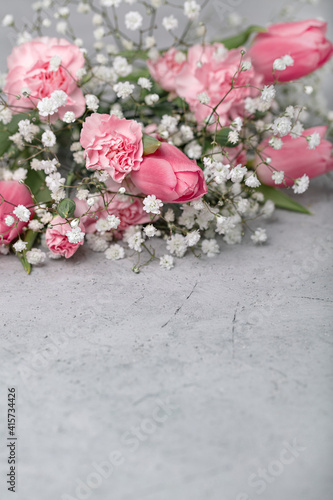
[195, 383]
[224, 364]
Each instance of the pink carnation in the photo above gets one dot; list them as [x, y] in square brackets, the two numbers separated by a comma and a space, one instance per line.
[128, 209]
[29, 67]
[18, 194]
[57, 240]
[211, 69]
[166, 68]
[112, 144]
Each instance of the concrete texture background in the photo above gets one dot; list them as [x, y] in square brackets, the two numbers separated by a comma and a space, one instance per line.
[195, 383]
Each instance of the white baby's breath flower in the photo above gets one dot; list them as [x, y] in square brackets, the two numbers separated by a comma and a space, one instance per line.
[55, 63]
[191, 9]
[150, 230]
[210, 247]
[75, 235]
[259, 236]
[145, 83]
[114, 252]
[268, 93]
[133, 20]
[278, 176]
[170, 23]
[252, 181]
[49, 139]
[167, 262]
[279, 65]
[92, 102]
[151, 99]
[313, 140]
[22, 213]
[203, 98]
[69, 117]
[35, 256]
[8, 20]
[123, 89]
[282, 126]
[301, 184]
[276, 142]
[20, 246]
[152, 204]
[9, 220]
[121, 66]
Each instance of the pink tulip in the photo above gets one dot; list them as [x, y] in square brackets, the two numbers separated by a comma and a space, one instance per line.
[17, 194]
[170, 175]
[295, 158]
[304, 41]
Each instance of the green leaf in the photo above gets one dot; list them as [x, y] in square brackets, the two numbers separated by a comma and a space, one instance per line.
[238, 40]
[282, 200]
[134, 54]
[150, 144]
[10, 129]
[29, 237]
[222, 138]
[36, 182]
[66, 208]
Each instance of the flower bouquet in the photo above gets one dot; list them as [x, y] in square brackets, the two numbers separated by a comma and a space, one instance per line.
[131, 142]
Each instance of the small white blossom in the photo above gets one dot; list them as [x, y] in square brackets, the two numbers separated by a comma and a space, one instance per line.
[116, 110]
[301, 184]
[69, 117]
[224, 224]
[150, 231]
[96, 243]
[268, 93]
[20, 174]
[5, 115]
[170, 23]
[9, 220]
[152, 204]
[192, 238]
[278, 176]
[49, 139]
[8, 20]
[279, 65]
[308, 89]
[151, 99]
[276, 142]
[22, 213]
[166, 262]
[82, 194]
[191, 9]
[268, 209]
[145, 83]
[150, 42]
[99, 33]
[252, 181]
[288, 60]
[35, 225]
[282, 126]
[169, 215]
[133, 20]
[75, 235]
[177, 245]
[246, 65]
[83, 8]
[114, 252]
[210, 247]
[313, 140]
[55, 63]
[35, 256]
[259, 236]
[20, 246]
[121, 66]
[233, 136]
[203, 98]
[123, 90]
[92, 102]
[135, 241]
[237, 173]
[61, 27]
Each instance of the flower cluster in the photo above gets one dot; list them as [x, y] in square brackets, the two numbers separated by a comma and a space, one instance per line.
[133, 144]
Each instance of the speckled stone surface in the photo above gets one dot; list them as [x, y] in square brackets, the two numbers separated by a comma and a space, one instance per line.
[212, 381]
